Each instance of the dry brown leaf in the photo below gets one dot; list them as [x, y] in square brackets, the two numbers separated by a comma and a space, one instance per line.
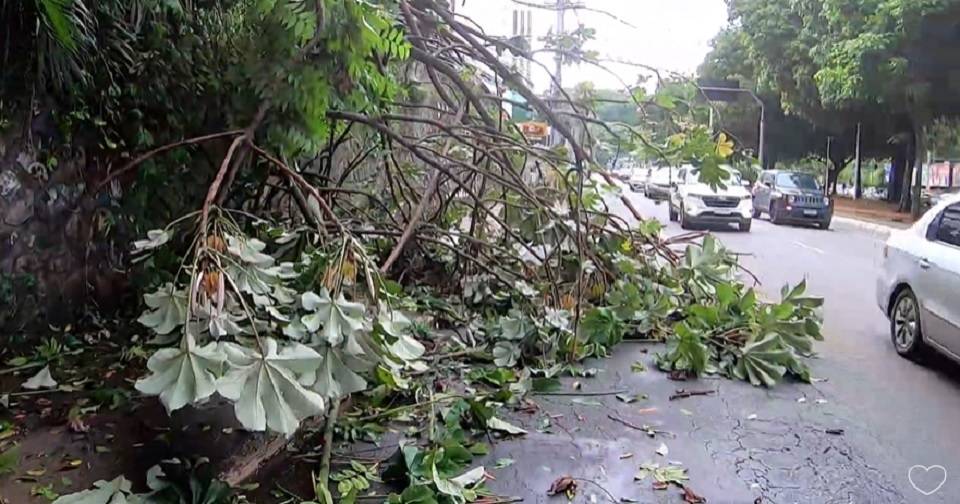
[563, 485]
[691, 497]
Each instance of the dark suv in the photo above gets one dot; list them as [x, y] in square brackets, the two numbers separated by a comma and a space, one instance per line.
[791, 197]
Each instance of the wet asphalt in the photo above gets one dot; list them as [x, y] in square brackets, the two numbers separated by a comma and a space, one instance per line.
[744, 443]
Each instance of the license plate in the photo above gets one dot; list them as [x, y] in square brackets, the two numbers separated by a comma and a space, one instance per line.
[810, 213]
[722, 211]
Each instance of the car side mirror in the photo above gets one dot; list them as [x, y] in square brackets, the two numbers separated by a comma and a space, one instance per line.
[768, 185]
[746, 183]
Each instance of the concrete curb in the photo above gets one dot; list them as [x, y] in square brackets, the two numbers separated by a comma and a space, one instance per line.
[873, 227]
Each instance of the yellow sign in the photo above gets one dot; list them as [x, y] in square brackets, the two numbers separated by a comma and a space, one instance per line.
[535, 130]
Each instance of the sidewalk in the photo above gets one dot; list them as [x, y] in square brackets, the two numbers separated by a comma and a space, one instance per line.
[872, 211]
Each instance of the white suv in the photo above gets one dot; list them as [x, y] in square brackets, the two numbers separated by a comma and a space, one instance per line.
[693, 202]
[918, 287]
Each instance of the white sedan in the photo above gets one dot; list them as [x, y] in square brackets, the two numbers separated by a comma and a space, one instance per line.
[919, 287]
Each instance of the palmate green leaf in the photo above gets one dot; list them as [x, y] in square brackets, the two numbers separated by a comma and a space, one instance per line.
[515, 327]
[116, 491]
[168, 309]
[395, 324]
[765, 362]
[686, 351]
[267, 385]
[338, 375]
[183, 375]
[506, 353]
[250, 251]
[155, 239]
[340, 320]
[602, 326]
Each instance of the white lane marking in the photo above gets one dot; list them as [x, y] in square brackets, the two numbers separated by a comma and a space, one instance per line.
[808, 247]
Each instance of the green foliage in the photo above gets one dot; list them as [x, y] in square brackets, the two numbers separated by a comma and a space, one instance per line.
[171, 482]
[351, 482]
[9, 460]
[738, 335]
[602, 327]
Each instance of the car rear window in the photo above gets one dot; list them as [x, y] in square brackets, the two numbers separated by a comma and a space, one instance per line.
[797, 181]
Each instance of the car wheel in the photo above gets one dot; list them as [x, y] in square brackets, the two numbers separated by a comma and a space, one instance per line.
[905, 327]
[756, 213]
[684, 219]
[745, 226]
[775, 214]
[825, 225]
[673, 214]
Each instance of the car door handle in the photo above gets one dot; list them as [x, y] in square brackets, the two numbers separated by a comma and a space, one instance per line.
[925, 264]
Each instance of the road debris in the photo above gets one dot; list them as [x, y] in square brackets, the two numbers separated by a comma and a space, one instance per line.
[691, 497]
[663, 451]
[682, 394]
[563, 485]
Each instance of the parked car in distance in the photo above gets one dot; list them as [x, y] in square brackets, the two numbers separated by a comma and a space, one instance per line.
[693, 202]
[791, 197]
[920, 279]
[639, 178]
[659, 185]
[938, 197]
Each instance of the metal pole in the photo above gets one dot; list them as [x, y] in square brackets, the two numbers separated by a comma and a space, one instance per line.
[763, 132]
[826, 178]
[561, 14]
[857, 177]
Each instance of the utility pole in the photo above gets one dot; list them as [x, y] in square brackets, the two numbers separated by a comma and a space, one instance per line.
[826, 177]
[558, 70]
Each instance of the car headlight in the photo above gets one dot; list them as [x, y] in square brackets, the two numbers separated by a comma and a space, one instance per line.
[826, 201]
[776, 194]
[691, 199]
[747, 197]
[791, 198]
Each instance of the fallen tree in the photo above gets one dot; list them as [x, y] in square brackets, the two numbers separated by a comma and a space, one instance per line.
[375, 217]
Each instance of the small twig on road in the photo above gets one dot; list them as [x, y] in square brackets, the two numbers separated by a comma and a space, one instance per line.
[645, 429]
[682, 394]
[587, 394]
[601, 487]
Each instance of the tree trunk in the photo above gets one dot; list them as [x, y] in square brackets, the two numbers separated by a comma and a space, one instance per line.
[919, 153]
[906, 185]
[906, 194]
[897, 172]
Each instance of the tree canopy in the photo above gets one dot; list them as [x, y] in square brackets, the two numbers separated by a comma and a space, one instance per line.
[884, 64]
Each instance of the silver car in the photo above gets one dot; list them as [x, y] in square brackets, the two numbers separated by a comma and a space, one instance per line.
[919, 287]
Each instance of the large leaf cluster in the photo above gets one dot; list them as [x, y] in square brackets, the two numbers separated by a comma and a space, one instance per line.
[736, 334]
[247, 333]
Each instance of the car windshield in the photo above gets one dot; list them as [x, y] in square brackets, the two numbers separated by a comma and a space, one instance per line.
[797, 181]
[663, 176]
[732, 179]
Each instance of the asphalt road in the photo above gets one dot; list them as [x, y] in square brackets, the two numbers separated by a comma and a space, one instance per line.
[896, 413]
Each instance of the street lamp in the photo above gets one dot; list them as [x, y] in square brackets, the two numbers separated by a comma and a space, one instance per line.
[763, 112]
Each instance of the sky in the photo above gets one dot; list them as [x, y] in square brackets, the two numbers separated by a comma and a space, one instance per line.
[670, 35]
